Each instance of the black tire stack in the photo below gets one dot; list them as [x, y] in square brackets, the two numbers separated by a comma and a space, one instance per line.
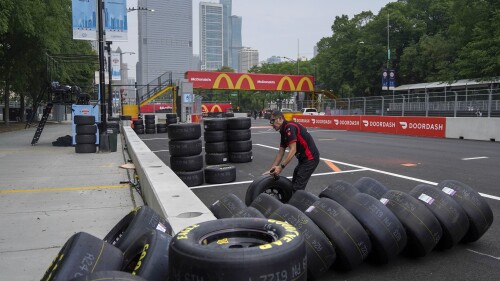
[185, 150]
[138, 126]
[239, 139]
[215, 141]
[150, 124]
[171, 118]
[85, 137]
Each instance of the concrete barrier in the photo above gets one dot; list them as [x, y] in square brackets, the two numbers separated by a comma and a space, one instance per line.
[486, 129]
[162, 189]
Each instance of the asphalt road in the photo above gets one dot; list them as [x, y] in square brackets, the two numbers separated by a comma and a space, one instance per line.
[400, 162]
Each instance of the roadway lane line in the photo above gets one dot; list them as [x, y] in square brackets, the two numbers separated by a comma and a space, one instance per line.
[51, 189]
[383, 172]
[243, 182]
[166, 150]
[483, 254]
[474, 158]
[332, 166]
[154, 139]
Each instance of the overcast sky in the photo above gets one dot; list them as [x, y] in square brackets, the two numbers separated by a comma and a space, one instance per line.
[273, 27]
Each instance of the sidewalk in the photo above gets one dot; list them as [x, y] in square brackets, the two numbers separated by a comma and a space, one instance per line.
[48, 193]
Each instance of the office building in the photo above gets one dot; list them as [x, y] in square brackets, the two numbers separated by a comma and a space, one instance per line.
[236, 42]
[165, 39]
[211, 36]
[248, 58]
[273, 59]
[226, 31]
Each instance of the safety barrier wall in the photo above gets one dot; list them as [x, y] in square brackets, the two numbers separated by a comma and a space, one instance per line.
[439, 127]
[161, 188]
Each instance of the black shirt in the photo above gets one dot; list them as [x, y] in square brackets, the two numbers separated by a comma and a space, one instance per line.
[294, 132]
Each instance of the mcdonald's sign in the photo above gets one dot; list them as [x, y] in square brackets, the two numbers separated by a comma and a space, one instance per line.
[250, 81]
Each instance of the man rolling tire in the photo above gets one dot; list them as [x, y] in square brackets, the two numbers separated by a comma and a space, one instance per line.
[300, 144]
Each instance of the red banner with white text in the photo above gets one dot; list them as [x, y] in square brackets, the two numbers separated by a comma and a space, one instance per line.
[413, 126]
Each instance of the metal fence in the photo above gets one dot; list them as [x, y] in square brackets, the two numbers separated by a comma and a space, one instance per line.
[480, 103]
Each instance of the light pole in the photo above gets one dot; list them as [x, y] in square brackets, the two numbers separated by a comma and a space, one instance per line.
[298, 72]
[121, 78]
[103, 135]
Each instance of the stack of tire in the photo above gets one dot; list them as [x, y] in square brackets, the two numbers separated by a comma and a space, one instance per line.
[135, 249]
[215, 137]
[171, 118]
[150, 124]
[138, 126]
[185, 150]
[85, 137]
[239, 139]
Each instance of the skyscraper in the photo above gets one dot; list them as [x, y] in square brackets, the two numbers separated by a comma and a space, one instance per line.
[211, 36]
[236, 42]
[227, 30]
[165, 39]
[248, 58]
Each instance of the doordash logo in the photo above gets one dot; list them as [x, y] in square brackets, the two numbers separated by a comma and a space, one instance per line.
[404, 125]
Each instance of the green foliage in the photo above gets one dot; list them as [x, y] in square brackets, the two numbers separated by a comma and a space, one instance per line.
[430, 40]
[31, 29]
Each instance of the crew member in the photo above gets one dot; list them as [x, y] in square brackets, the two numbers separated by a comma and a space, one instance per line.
[300, 144]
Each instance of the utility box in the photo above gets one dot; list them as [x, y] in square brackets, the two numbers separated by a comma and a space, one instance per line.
[82, 109]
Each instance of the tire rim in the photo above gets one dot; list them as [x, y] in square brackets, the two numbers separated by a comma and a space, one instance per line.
[275, 192]
[238, 238]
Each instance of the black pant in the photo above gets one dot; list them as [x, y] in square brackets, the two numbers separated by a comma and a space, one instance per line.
[302, 173]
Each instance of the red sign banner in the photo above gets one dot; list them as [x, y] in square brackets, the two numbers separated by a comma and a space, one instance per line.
[412, 126]
[250, 81]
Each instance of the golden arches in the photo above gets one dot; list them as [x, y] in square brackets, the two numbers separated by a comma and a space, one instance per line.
[227, 78]
[245, 77]
[215, 107]
[290, 83]
[309, 83]
[204, 108]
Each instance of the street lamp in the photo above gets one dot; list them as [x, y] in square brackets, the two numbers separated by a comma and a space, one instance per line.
[292, 60]
[122, 80]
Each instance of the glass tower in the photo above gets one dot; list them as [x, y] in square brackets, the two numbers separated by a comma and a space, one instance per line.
[211, 36]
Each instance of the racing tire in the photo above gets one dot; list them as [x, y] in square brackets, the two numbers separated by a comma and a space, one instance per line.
[85, 129]
[476, 208]
[240, 157]
[237, 249]
[220, 174]
[171, 116]
[84, 120]
[139, 127]
[185, 147]
[447, 211]
[171, 121]
[371, 187]
[191, 178]
[216, 147]
[422, 228]
[150, 125]
[149, 117]
[134, 225]
[266, 204]
[138, 122]
[351, 242]
[239, 123]
[139, 131]
[214, 136]
[215, 124]
[279, 187]
[185, 131]
[85, 139]
[186, 163]
[161, 130]
[148, 256]
[249, 212]
[109, 275]
[240, 146]
[320, 251]
[227, 206]
[85, 148]
[302, 200]
[239, 135]
[83, 254]
[340, 191]
[386, 232]
[216, 158]
[150, 131]
[161, 126]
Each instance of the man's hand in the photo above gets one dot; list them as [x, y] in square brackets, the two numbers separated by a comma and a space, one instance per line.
[274, 171]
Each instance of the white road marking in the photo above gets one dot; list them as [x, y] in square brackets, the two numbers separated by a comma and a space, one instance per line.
[154, 139]
[243, 182]
[383, 172]
[166, 150]
[474, 158]
[483, 254]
